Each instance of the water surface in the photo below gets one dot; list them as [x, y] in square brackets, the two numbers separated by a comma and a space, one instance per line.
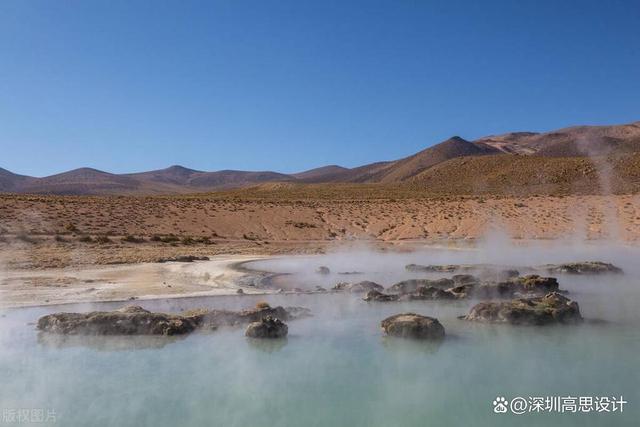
[336, 368]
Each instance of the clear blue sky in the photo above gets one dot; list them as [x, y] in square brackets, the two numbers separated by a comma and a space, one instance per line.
[280, 85]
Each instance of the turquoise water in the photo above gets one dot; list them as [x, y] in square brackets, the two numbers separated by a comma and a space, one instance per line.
[335, 369]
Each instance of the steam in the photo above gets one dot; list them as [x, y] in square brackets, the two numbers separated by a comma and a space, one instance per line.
[599, 154]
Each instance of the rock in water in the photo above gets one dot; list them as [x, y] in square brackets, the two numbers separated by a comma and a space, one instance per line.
[450, 268]
[358, 288]
[464, 279]
[411, 325]
[131, 320]
[411, 285]
[380, 297]
[134, 320]
[536, 284]
[268, 327]
[430, 293]
[587, 267]
[552, 308]
[323, 270]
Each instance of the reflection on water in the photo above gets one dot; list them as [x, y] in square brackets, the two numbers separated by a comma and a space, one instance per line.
[106, 343]
[335, 368]
[268, 346]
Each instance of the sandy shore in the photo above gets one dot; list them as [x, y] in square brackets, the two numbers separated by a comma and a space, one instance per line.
[221, 275]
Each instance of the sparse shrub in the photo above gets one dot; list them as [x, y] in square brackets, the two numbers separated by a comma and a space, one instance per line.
[86, 239]
[132, 239]
[60, 239]
[103, 240]
[188, 240]
[155, 238]
[262, 305]
[23, 237]
[71, 228]
[166, 239]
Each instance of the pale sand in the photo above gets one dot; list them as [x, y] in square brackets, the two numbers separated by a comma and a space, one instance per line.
[222, 275]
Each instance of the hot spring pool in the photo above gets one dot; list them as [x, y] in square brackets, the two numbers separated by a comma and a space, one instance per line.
[336, 368]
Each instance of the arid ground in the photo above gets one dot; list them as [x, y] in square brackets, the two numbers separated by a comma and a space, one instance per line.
[49, 244]
[54, 231]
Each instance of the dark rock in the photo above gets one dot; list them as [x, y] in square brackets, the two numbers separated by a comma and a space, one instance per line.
[450, 268]
[131, 320]
[587, 267]
[464, 279]
[552, 308]
[431, 293]
[411, 325]
[323, 270]
[411, 285]
[462, 291]
[536, 284]
[532, 285]
[360, 287]
[217, 318]
[268, 327]
[380, 297]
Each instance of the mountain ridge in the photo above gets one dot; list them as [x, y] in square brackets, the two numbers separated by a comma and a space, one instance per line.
[566, 143]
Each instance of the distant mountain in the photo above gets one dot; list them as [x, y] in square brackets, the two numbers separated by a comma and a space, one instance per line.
[193, 180]
[535, 160]
[80, 181]
[176, 175]
[403, 169]
[321, 174]
[578, 141]
[9, 181]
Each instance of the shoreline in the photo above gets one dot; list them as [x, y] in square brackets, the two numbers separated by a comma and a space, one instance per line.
[221, 275]
[132, 282]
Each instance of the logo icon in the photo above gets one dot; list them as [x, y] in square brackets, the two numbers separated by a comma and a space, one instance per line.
[500, 405]
[519, 405]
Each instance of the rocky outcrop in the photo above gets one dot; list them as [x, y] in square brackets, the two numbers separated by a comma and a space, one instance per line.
[411, 285]
[411, 325]
[587, 267]
[268, 327]
[376, 296]
[552, 308]
[360, 287]
[430, 293]
[485, 271]
[216, 318]
[464, 279]
[134, 320]
[420, 294]
[450, 268]
[532, 285]
[536, 284]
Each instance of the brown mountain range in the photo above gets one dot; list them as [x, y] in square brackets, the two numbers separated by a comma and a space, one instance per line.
[575, 159]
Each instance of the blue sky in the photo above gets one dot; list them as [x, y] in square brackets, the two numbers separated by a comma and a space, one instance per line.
[132, 85]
